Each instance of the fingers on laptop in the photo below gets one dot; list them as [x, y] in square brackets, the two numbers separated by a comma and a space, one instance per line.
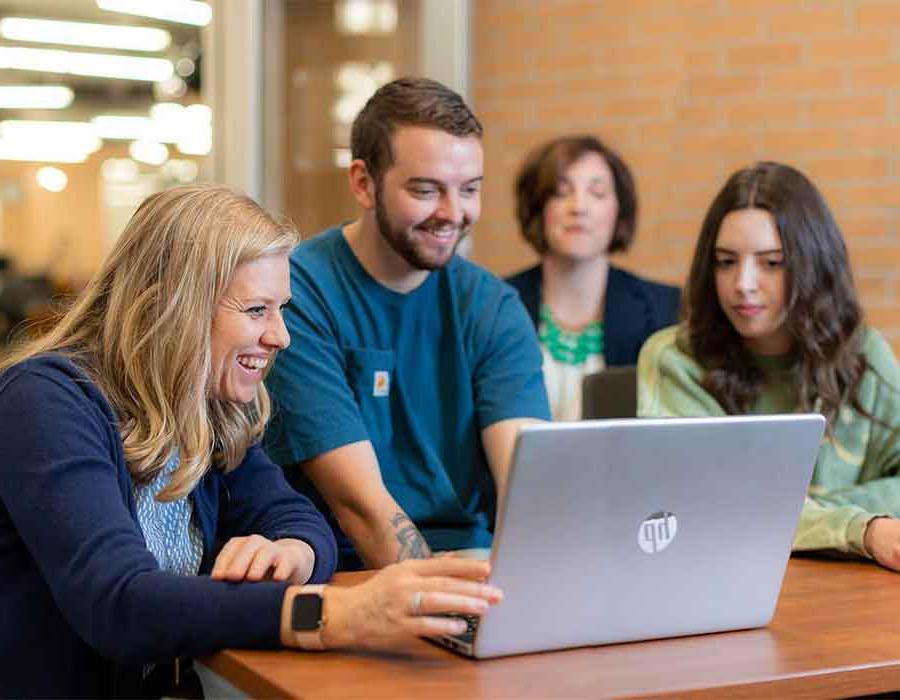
[458, 567]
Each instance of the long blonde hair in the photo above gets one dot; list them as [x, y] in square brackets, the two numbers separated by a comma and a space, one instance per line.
[141, 330]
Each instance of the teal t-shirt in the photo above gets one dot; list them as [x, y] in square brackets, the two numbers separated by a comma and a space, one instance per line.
[420, 375]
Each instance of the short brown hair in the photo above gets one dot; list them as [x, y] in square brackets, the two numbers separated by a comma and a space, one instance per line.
[406, 102]
[539, 177]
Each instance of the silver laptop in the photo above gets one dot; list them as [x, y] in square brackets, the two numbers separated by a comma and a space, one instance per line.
[623, 530]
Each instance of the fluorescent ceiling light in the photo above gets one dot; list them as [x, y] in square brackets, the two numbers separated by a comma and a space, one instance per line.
[51, 179]
[182, 11]
[60, 142]
[90, 64]
[150, 152]
[169, 122]
[35, 96]
[37, 152]
[104, 36]
[119, 170]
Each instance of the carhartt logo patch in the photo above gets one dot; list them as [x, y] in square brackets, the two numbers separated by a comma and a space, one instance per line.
[381, 383]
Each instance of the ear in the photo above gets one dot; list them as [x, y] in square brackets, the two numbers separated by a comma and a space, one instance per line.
[362, 186]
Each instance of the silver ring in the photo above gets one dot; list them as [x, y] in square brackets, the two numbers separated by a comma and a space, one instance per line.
[416, 604]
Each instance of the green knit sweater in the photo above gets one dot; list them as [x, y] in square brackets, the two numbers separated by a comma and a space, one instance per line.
[855, 477]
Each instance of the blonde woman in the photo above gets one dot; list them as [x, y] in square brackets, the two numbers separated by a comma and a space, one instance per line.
[130, 438]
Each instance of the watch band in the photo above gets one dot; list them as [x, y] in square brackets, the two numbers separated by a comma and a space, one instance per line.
[310, 639]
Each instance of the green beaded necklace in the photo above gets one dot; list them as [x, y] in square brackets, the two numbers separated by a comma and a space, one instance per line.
[568, 347]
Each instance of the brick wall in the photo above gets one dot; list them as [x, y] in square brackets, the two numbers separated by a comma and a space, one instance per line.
[688, 91]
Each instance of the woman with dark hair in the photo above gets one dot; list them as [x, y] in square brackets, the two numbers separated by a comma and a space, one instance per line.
[773, 325]
[576, 204]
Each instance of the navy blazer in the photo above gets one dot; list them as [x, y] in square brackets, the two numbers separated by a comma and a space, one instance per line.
[634, 310]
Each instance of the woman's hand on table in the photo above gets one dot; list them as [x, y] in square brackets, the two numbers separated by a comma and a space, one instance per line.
[255, 558]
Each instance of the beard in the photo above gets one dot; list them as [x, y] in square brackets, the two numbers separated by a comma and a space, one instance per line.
[404, 243]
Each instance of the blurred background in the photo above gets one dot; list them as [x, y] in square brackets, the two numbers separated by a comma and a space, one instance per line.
[104, 101]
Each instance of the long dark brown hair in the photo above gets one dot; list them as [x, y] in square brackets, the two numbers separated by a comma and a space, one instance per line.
[824, 317]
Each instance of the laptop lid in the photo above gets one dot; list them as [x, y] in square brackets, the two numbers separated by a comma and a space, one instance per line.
[610, 393]
[636, 529]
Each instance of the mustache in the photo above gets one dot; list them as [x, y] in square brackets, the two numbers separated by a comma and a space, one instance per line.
[436, 223]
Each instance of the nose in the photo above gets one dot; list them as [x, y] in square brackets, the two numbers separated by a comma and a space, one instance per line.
[451, 209]
[276, 334]
[748, 278]
[576, 200]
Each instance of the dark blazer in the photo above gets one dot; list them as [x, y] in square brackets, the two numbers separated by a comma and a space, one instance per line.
[83, 603]
[635, 308]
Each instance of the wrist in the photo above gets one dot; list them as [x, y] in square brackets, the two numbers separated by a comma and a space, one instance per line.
[303, 617]
[869, 536]
[336, 632]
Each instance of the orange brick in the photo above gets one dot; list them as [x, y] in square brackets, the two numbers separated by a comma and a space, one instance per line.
[722, 86]
[636, 56]
[874, 257]
[671, 28]
[884, 318]
[728, 141]
[597, 32]
[818, 20]
[654, 138]
[699, 114]
[801, 81]
[856, 167]
[576, 61]
[879, 137]
[875, 291]
[850, 50]
[764, 54]
[703, 60]
[762, 112]
[594, 84]
[633, 108]
[723, 30]
[883, 75]
[874, 196]
[861, 226]
[664, 83]
[798, 140]
[848, 108]
[877, 16]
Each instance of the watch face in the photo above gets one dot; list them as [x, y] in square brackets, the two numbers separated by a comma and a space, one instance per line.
[307, 612]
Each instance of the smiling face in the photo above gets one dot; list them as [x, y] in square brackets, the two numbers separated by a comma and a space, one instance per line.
[248, 329]
[751, 282]
[580, 218]
[430, 196]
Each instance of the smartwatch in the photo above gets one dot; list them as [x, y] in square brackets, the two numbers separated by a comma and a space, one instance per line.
[308, 617]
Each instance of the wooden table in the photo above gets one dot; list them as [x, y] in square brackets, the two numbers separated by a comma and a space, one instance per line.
[835, 633]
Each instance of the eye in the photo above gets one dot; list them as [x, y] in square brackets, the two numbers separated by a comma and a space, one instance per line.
[471, 190]
[599, 193]
[563, 189]
[423, 192]
[256, 311]
[774, 263]
[723, 263]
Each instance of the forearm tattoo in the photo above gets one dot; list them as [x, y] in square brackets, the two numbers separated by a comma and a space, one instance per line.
[412, 544]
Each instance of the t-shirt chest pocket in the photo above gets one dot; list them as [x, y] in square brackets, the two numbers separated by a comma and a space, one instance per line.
[370, 375]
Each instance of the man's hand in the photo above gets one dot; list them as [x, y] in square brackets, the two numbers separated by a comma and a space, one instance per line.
[882, 541]
[255, 558]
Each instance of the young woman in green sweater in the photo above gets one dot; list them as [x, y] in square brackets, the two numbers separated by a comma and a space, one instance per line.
[773, 325]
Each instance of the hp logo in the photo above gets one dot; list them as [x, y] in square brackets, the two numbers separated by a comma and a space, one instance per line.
[657, 531]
